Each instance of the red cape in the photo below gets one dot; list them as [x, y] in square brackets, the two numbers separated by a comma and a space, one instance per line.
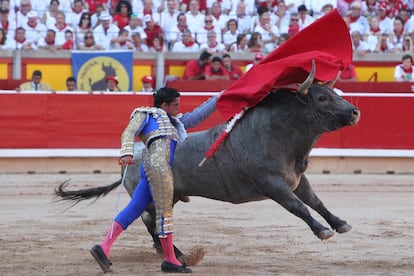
[327, 41]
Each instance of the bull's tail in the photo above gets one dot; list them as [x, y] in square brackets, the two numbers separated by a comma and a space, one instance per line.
[77, 196]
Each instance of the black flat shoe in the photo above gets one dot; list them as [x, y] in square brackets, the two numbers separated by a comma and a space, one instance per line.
[172, 268]
[101, 258]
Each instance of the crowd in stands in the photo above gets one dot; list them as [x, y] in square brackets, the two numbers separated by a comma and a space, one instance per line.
[219, 26]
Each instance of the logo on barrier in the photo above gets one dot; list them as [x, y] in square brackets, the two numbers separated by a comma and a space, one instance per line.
[91, 70]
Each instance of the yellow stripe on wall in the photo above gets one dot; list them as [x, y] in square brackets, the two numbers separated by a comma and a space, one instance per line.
[138, 71]
[383, 73]
[4, 75]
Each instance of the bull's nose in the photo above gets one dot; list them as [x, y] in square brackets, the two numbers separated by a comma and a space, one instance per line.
[356, 114]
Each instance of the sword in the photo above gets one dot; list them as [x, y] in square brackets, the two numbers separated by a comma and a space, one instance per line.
[118, 199]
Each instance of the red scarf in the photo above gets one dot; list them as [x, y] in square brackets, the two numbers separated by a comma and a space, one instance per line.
[293, 30]
[20, 41]
[384, 48]
[148, 12]
[216, 17]
[5, 25]
[408, 71]
[50, 42]
[208, 28]
[188, 44]
[353, 19]
[375, 31]
[182, 28]
[398, 33]
[68, 45]
[60, 28]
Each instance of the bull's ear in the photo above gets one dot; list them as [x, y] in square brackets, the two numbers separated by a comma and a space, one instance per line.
[303, 87]
[330, 84]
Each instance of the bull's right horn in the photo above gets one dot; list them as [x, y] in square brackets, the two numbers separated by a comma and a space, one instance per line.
[303, 88]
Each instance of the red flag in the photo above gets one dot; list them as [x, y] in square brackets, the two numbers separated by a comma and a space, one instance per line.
[327, 41]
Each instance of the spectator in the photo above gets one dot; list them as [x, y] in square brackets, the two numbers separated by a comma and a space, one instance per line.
[92, 5]
[48, 42]
[194, 17]
[230, 36]
[234, 71]
[395, 7]
[407, 46]
[281, 17]
[185, 6]
[148, 9]
[269, 33]
[358, 22]
[384, 45]
[304, 18]
[135, 26]
[255, 43]
[112, 84]
[21, 16]
[176, 31]
[60, 28]
[157, 45]
[257, 58]
[359, 46]
[348, 73]
[20, 42]
[71, 84]
[153, 31]
[244, 20]
[212, 45]
[397, 34]
[84, 26]
[106, 31]
[216, 70]
[49, 17]
[35, 84]
[74, 15]
[294, 26]
[123, 41]
[139, 46]
[169, 20]
[9, 26]
[241, 44]
[39, 6]
[95, 21]
[249, 8]
[147, 83]
[34, 30]
[373, 34]
[122, 14]
[69, 41]
[201, 33]
[219, 19]
[405, 70]
[187, 43]
[321, 7]
[194, 69]
[386, 23]
[89, 43]
[3, 40]
[282, 39]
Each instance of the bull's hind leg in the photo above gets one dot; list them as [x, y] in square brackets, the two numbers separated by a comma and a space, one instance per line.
[277, 189]
[307, 195]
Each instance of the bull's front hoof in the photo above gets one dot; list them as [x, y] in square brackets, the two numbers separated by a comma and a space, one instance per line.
[325, 234]
[344, 228]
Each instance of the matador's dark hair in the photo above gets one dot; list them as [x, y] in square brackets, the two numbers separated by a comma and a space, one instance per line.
[165, 95]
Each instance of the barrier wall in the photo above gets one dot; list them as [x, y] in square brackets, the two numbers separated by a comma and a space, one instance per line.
[68, 121]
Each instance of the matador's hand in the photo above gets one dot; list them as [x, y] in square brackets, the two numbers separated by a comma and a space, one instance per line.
[126, 160]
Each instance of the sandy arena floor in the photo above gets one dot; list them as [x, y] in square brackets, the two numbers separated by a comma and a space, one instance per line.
[259, 238]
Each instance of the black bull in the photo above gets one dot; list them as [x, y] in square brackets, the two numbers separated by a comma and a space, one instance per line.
[265, 156]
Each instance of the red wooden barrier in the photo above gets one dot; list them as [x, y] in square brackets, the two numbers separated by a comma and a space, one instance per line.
[50, 121]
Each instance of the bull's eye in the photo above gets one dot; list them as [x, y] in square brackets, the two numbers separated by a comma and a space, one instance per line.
[322, 98]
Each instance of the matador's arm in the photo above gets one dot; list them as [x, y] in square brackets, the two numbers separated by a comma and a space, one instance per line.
[200, 113]
[134, 128]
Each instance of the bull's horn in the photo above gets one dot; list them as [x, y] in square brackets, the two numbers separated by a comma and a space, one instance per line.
[331, 83]
[303, 88]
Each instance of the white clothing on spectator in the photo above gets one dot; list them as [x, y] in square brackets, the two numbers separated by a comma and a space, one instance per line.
[266, 36]
[194, 22]
[180, 47]
[60, 34]
[219, 47]
[36, 33]
[104, 38]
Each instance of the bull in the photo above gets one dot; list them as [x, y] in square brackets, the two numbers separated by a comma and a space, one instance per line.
[265, 157]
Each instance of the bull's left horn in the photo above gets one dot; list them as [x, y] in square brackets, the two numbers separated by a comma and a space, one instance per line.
[303, 88]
